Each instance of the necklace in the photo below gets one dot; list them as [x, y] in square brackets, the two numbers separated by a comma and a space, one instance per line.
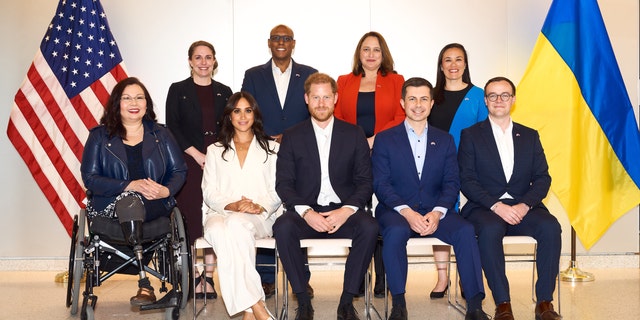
[241, 146]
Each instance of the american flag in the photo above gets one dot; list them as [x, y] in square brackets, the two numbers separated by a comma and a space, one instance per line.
[61, 98]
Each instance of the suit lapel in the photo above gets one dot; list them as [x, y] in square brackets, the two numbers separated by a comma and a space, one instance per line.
[404, 150]
[311, 146]
[270, 84]
[489, 141]
[294, 82]
[517, 147]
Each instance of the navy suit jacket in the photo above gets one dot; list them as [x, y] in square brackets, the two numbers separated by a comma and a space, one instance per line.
[395, 176]
[481, 174]
[259, 82]
[298, 166]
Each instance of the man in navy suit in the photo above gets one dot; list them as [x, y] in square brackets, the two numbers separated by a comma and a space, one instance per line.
[415, 178]
[504, 175]
[323, 176]
[278, 87]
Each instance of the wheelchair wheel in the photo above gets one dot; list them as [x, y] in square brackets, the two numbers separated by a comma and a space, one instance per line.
[172, 314]
[182, 259]
[87, 314]
[76, 257]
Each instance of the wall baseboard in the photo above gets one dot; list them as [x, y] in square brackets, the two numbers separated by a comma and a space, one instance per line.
[586, 263]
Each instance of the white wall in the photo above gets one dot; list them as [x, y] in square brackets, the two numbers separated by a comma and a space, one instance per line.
[154, 35]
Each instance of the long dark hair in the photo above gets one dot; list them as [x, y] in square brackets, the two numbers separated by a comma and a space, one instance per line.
[227, 130]
[111, 118]
[386, 66]
[438, 96]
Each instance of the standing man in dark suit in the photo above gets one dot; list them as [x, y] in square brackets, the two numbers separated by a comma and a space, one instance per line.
[278, 87]
[415, 178]
[504, 175]
[323, 176]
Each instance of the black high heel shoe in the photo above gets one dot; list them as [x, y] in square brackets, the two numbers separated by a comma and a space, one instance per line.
[439, 294]
[209, 295]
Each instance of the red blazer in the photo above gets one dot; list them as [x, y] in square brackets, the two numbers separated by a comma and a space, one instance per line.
[388, 110]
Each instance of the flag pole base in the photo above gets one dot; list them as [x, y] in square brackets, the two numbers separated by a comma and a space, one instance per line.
[574, 274]
[62, 277]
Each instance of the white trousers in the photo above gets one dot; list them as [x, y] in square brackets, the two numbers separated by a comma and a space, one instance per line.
[232, 236]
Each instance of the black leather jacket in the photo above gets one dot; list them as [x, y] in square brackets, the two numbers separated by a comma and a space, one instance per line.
[104, 164]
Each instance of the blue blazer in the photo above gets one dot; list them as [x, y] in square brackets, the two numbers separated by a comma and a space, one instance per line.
[258, 81]
[395, 178]
[298, 166]
[481, 174]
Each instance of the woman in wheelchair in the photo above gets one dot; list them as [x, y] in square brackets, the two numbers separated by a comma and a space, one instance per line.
[239, 193]
[132, 167]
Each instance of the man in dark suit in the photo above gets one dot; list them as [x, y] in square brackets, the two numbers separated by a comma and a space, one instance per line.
[504, 175]
[278, 87]
[323, 176]
[415, 178]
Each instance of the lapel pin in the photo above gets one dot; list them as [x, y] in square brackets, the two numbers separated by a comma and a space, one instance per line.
[517, 134]
[297, 75]
[433, 143]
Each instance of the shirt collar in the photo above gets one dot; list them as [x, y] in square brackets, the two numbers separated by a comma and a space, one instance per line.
[409, 129]
[275, 68]
[496, 128]
[326, 131]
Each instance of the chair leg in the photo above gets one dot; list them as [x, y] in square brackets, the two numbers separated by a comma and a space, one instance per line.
[370, 310]
[284, 314]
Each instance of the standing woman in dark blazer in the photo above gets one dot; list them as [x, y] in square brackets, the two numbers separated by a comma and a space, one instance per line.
[194, 109]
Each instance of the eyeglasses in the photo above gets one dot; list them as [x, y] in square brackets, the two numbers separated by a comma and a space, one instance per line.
[493, 97]
[277, 38]
[130, 99]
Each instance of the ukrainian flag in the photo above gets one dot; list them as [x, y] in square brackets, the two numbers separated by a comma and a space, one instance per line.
[572, 92]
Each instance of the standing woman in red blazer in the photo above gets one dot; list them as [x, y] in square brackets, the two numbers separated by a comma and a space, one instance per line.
[369, 96]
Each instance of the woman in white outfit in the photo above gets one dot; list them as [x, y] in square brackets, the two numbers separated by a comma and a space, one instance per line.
[238, 186]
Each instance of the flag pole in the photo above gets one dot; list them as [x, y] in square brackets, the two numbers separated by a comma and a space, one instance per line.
[573, 273]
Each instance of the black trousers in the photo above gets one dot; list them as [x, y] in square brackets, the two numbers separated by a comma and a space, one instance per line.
[361, 228]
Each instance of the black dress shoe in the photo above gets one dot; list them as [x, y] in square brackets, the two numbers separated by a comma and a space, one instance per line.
[347, 312]
[398, 313]
[304, 312]
[269, 289]
[477, 314]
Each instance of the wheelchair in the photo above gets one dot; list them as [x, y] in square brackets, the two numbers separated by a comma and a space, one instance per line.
[99, 250]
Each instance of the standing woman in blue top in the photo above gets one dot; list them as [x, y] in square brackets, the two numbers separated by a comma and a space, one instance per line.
[194, 112]
[458, 104]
